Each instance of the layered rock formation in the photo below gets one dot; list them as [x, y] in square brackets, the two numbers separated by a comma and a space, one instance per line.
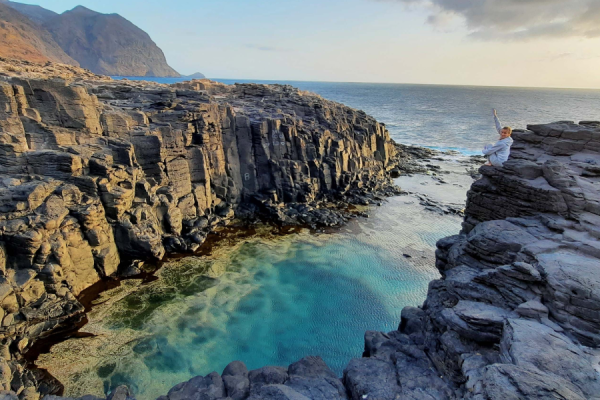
[516, 314]
[96, 172]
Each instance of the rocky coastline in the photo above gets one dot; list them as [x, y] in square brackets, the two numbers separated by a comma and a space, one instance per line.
[98, 174]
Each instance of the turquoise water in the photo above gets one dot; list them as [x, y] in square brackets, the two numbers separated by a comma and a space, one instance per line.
[265, 301]
[450, 117]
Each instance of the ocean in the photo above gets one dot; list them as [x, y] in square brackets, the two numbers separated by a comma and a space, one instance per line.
[449, 117]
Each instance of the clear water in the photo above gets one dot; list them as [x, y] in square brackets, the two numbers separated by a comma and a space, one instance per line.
[265, 301]
[450, 117]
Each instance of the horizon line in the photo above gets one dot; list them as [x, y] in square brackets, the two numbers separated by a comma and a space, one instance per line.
[377, 83]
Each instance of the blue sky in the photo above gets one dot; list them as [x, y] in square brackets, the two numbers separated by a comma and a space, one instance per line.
[356, 40]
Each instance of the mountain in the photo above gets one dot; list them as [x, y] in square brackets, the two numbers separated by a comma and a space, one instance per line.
[37, 14]
[108, 44]
[23, 39]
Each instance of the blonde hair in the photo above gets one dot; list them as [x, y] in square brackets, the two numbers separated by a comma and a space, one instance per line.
[509, 129]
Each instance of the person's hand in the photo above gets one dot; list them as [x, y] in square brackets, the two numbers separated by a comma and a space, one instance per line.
[494, 110]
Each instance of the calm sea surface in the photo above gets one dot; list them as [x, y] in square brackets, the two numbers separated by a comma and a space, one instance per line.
[450, 117]
[271, 301]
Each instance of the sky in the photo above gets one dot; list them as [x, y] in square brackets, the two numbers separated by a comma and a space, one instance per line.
[537, 43]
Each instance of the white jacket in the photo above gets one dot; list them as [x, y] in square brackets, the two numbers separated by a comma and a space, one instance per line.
[499, 152]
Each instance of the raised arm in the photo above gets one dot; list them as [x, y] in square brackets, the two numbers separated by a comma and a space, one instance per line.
[497, 121]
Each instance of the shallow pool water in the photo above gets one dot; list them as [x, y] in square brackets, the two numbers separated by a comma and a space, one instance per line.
[263, 300]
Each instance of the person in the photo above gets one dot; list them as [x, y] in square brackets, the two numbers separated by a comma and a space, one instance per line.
[498, 153]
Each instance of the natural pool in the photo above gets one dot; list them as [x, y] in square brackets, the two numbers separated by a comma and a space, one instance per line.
[265, 300]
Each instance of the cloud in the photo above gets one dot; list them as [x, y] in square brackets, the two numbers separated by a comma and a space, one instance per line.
[570, 56]
[265, 48]
[517, 19]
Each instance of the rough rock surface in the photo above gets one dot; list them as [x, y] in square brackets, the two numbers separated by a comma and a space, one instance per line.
[96, 173]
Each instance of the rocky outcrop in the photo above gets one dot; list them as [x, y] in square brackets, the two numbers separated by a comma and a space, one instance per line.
[107, 44]
[24, 39]
[97, 173]
[516, 314]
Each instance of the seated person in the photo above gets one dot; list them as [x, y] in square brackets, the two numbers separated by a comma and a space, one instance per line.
[498, 153]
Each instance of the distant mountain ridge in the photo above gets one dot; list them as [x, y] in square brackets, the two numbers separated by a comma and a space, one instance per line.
[103, 43]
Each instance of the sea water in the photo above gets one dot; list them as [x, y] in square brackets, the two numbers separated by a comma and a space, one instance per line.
[450, 117]
[262, 300]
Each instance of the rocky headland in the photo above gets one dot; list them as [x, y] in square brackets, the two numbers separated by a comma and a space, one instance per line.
[97, 174]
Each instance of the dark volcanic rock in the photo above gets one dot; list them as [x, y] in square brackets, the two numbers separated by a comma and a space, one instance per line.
[107, 44]
[507, 381]
[312, 378]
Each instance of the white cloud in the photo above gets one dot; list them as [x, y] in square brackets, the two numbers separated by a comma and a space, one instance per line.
[517, 19]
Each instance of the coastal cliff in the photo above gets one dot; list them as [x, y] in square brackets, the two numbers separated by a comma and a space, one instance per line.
[97, 173]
